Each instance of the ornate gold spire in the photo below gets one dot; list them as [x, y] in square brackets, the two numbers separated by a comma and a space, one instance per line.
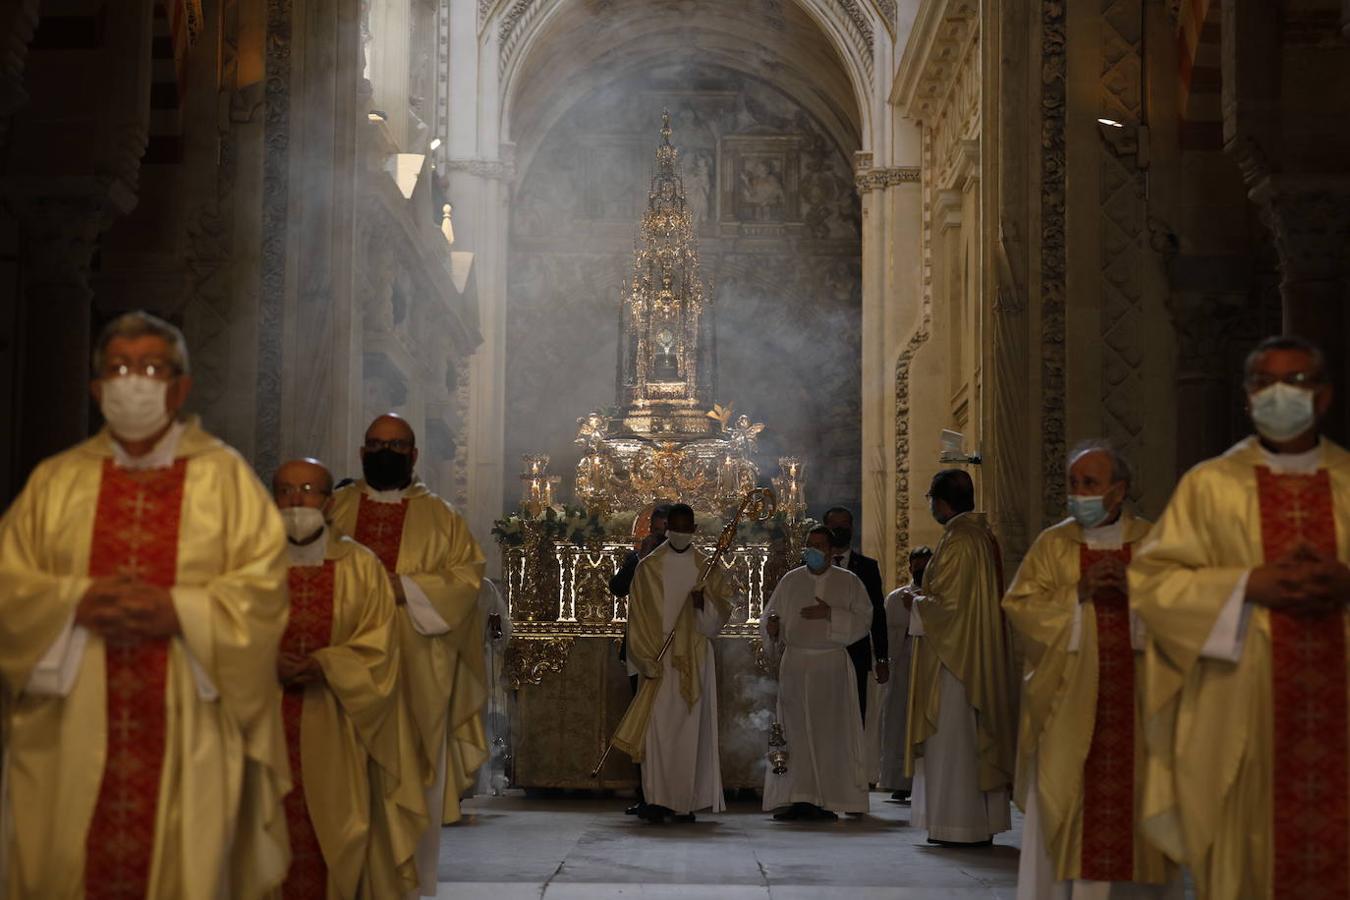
[666, 357]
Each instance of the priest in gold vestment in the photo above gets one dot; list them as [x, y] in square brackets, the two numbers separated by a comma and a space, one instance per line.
[671, 725]
[1080, 751]
[1243, 585]
[961, 727]
[142, 596]
[435, 569]
[339, 669]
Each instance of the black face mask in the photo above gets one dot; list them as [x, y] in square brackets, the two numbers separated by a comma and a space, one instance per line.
[386, 469]
[841, 538]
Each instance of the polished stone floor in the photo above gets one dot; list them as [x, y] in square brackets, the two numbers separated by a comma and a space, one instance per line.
[575, 848]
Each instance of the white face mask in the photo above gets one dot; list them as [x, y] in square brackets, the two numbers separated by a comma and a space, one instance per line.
[1282, 412]
[680, 540]
[134, 406]
[302, 522]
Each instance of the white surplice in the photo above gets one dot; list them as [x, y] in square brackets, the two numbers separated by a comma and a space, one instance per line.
[946, 798]
[681, 769]
[895, 692]
[818, 691]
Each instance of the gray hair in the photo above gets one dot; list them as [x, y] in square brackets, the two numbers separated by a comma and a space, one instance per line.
[1120, 466]
[142, 324]
[1285, 342]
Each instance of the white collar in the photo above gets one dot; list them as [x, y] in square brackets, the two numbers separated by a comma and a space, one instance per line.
[311, 554]
[1305, 463]
[844, 558]
[1106, 537]
[160, 456]
[395, 495]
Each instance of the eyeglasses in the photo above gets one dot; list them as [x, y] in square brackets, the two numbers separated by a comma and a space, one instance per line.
[150, 368]
[287, 491]
[1258, 381]
[398, 445]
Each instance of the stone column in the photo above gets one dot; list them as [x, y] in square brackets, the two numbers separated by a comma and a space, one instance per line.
[1008, 470]
[890, 251]
[480, 163]
[872, 521]
[1309, 216]
[482, 189]
[320, 375]
[60, 224]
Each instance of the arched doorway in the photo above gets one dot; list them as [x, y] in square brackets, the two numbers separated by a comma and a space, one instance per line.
[767, 165]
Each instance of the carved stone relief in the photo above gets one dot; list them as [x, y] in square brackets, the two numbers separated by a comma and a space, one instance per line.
[275, 209]
[1121, 229]
[1053, 257]
[902, 373]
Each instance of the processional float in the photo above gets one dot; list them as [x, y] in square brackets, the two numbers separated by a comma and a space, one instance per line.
[666, 440]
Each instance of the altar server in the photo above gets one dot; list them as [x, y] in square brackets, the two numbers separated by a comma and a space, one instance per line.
[1243, 585]
[815, 613]
[339, 671]
[961, 728]
[871, 652]
[1080, 753]
[142, 596]
[435, 569]
[620, 586]
[895, 693]
[671, 727]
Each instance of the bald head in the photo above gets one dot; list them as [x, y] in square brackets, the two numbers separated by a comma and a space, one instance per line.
[391, 427]
[1096, 469]
[389, 453]
[302, 482]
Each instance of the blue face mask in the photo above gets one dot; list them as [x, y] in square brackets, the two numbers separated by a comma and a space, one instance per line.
[1088, 511]
[814, 559]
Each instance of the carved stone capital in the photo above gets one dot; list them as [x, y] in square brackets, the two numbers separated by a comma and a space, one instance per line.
[1205, 323]
[1310, 219]
[880, 179]
[62, 219]
[18, 21]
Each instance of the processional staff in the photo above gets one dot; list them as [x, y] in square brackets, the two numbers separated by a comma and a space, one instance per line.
[760, 503]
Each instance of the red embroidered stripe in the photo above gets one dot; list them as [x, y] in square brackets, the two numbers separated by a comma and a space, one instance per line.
[309, 628]
[379, 526]
[1308, 677]
[135, 534]
[1108, 772]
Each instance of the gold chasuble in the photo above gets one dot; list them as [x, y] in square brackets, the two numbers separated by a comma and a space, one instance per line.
[155, 769]
[963, 630]
[646, 635]
[1080, 714]
[443, 675]
[1247, 770]
[340, 731]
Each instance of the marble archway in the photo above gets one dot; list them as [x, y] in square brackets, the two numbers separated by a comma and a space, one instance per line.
[517, 66]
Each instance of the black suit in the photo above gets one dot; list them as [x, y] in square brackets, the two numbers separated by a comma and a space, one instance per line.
[866, 568]
[619, 586]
